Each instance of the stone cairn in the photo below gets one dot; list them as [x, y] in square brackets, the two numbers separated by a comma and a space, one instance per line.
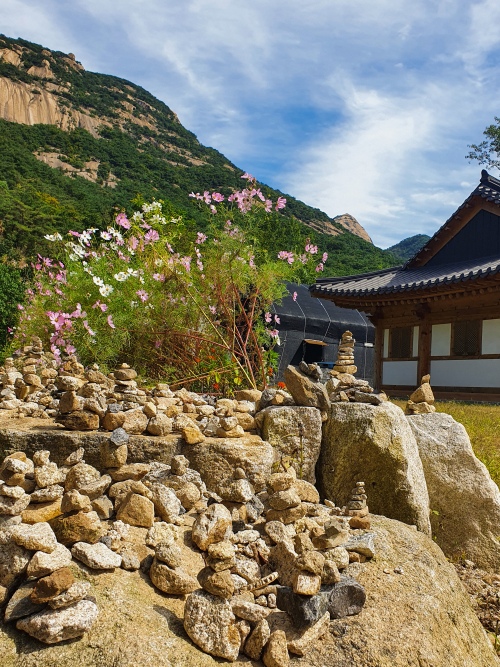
[422, 400]
[272, 580]
[345, 355]
[273, 559]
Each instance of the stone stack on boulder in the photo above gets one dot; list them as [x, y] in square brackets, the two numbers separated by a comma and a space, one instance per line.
[345, 355]
[422, 400]
[270, 586]
[39, 588]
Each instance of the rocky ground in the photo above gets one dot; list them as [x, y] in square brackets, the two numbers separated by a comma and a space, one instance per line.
[416, 615]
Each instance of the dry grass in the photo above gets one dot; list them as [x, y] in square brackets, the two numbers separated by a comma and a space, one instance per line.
[482, 423]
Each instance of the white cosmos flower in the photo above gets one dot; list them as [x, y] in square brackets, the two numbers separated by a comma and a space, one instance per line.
[121, 276]
[53, 237]
[105, 290]
[98, 281]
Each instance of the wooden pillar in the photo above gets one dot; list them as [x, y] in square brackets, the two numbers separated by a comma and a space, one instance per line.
[379, 350]
[424, 350]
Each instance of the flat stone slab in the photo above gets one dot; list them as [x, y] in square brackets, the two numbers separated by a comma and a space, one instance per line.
[31, 436]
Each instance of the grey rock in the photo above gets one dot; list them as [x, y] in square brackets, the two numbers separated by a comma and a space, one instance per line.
[20, 604]
[347, 598]
[47, 494]
[305, 610]
[96, 556]
[119, 437]
[362, 544]
[76, 592]
[54, 626]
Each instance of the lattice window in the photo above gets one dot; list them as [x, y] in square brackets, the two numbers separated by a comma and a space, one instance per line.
[467, 338]
[401, 343]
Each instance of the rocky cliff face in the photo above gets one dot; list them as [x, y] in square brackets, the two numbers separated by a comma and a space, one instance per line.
[24, 103]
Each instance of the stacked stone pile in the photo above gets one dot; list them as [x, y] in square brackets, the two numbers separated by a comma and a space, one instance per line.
[52, 517]
[28, 387]
[42, 595]
[272, 560]
[271, 585]
[422, 400]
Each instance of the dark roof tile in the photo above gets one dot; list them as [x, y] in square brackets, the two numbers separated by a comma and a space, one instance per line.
[401, 279]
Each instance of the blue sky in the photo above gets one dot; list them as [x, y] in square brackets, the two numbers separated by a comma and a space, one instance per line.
[354, 107]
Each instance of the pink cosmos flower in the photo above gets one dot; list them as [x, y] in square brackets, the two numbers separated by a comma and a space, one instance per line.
[159, 277]
[274, 333]
[325, 257]
[268, 317]
[100, 305]
[281, 203]
[277, 319]
[294, 296]
[186, 262]
[123, 221]
[248, 177]
[87, 326]
[212, 309]
[143, 296]
[151, 236]
[200, 238]
[133, 243]
[320, 267]
[110, 322]
[269, 205]
[216, 196]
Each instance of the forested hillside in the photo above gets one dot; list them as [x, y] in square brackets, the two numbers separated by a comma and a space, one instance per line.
[405, 249]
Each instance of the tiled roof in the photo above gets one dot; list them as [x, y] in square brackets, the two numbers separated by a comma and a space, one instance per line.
[488, 189]
[401, 279]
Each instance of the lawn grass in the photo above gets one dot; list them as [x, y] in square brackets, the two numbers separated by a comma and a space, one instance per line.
[482, 422]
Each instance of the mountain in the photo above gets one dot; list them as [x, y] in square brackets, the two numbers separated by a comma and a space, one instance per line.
[76, 146]
[405, 249]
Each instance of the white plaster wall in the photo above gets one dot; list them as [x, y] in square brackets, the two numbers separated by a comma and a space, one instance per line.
[491, 337]
[415, 341]
[465, 373]
[399, 373]
[441, 341]
[386, 343]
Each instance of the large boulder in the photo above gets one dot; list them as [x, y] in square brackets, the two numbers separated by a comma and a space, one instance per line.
[419, 618]
[295, 433]
[374, 444]
[217, 458]
[464, 500]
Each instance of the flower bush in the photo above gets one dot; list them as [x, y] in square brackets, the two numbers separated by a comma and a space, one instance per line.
[180, 304]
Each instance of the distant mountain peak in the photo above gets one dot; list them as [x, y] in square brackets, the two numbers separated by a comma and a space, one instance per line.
[350, 223]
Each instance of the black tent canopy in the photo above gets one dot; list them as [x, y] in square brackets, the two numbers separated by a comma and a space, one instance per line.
[311, 328]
